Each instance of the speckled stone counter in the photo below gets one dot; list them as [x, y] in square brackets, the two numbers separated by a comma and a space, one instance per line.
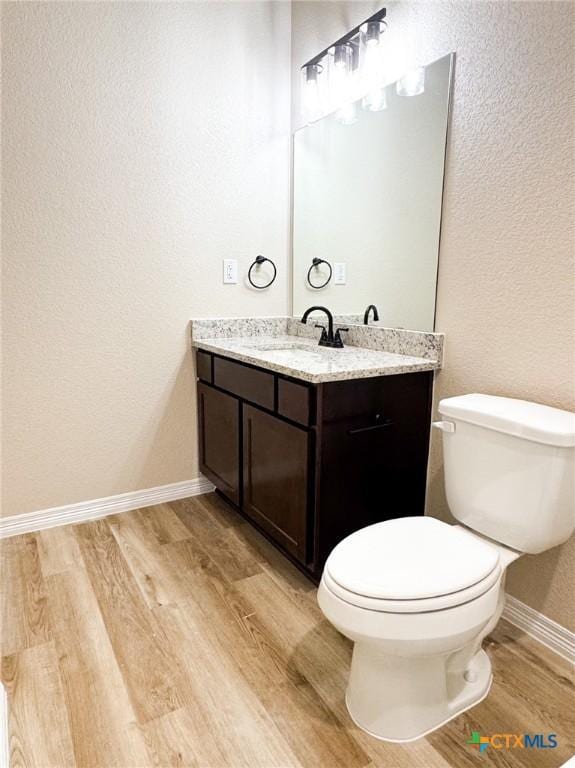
[233, 327]
[272, 343]
[397, 340]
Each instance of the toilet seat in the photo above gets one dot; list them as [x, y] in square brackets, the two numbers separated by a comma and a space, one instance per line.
[412, 606]
[411, 565]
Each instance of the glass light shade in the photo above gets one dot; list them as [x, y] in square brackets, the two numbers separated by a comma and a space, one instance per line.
[347, 115]
[412, 84]
[342, 56]
[375, 100]
[340, 76]
[311, 92]
[372, 55]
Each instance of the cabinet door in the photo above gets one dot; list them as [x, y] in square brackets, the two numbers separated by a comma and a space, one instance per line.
[373, 454]
[275, 461]
[219, 427]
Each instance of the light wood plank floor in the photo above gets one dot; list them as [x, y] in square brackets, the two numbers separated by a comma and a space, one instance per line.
[177, 636]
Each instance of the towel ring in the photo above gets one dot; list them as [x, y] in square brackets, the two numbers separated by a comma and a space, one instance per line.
[258, 262]
[315, 263]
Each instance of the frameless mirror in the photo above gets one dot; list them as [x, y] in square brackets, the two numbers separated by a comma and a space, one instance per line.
[367, 204]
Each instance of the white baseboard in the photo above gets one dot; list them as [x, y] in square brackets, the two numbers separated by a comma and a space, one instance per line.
[91, 510]
[544, 630]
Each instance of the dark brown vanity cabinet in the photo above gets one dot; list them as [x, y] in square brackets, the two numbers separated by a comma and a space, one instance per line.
[309, 464]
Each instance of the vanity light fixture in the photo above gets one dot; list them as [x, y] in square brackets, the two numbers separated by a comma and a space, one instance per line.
[350, 69]
[345, 71]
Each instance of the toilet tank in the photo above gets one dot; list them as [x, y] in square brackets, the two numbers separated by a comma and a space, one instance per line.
[510, 469]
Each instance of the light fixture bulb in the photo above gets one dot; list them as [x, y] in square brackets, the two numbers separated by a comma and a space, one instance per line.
[372, 61]
[373, 31]
[347, 115]
[340, 80]
[412, 84]
[375, 101]
[311, 101]
[342, 56]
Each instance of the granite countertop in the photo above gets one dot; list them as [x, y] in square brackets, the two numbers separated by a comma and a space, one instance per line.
[302, 358]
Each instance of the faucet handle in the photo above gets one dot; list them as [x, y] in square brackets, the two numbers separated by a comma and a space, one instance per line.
[338, 341]
[323, 331]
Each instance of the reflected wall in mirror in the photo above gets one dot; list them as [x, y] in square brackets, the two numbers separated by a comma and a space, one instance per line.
[367, 196]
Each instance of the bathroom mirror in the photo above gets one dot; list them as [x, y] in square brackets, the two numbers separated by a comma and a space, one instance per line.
[367, 200]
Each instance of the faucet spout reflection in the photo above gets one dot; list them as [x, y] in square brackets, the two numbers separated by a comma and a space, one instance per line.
[366, 314]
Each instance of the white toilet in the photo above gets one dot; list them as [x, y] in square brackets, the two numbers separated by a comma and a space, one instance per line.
[417, 596]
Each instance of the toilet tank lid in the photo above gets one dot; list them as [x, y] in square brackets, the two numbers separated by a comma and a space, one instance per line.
[530, 421]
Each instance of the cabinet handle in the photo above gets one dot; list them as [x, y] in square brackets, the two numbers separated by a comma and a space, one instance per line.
[385, 424]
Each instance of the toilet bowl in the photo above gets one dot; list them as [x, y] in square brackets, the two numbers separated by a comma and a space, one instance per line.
[417, 596]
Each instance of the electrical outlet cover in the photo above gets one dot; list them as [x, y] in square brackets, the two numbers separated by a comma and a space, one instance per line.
[230, 270]
[339, 273]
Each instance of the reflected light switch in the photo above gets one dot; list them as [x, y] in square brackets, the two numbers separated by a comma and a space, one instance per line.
[339, 273]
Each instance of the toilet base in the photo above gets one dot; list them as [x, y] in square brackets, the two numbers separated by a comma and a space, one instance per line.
[401, 699]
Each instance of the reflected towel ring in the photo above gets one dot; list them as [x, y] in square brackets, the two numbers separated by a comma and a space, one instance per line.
[315, 263]
[258, 261]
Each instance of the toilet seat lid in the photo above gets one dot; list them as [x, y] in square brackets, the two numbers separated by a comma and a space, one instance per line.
[410, 558]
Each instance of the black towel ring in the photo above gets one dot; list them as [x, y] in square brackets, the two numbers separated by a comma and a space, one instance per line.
[258, 261]
[315, 263]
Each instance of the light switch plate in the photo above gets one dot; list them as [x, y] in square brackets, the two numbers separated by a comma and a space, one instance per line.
[230, 270]
[339, 276]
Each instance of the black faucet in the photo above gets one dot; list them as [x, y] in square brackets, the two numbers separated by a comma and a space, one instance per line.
[366, 314]
[328, 338]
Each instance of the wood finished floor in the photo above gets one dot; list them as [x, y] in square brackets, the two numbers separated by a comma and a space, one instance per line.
[177, 636]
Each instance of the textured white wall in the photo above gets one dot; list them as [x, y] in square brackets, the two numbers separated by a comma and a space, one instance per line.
[506, 293]
[142, 143]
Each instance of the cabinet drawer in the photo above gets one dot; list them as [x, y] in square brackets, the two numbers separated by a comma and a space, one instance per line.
[247, 383]
[294, 401]
[204, 366]
[400, 400]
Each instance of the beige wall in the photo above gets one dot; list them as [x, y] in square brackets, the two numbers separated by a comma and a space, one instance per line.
[506, 296]
[142, 144]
